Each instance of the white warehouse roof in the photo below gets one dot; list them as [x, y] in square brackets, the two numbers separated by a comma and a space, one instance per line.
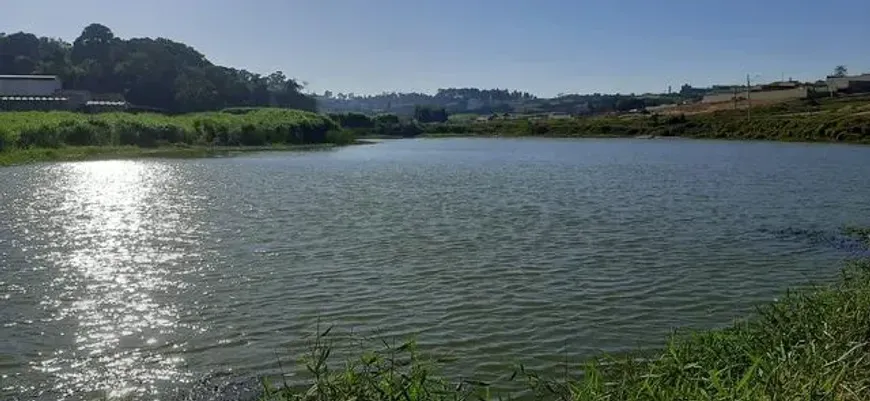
[33, 77]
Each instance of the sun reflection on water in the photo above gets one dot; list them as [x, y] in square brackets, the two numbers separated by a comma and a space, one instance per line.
[117, 248]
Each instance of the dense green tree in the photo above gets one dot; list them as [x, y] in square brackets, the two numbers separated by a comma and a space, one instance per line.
[353, 120]
[381, 125]
[430, 114]
[155, 73]
[95, 43]
[841, 71]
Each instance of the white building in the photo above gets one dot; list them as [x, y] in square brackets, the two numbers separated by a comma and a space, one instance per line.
[29, 85]
[854, 83]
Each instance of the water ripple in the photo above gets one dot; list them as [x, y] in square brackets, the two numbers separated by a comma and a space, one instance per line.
[184, 279]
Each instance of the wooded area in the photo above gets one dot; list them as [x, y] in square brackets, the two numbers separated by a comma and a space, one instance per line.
[156, 73]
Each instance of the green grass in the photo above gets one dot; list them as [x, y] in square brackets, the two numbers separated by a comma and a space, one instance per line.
[40, 136]
[256, 127]
[812, 344]
[837, 120]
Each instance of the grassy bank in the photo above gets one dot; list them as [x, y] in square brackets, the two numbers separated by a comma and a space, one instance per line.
[81, 153]
[829, 121]
[26, 136]
[42, 136]
[812, 344]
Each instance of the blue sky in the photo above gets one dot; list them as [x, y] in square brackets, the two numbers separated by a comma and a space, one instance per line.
[542, 46]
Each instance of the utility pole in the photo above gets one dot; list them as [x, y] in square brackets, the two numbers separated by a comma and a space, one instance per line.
[748, 99]
[734, 98]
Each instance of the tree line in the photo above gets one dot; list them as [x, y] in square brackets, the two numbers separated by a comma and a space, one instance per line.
[453, 100]
[492, 101]
[156, 73]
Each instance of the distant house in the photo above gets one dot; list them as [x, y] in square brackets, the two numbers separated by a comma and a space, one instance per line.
[28, 103]
[772, 92]
[98, 106]
[45, 92]
[558, 115]
[849, 84]
[781, 85]
[29, 85]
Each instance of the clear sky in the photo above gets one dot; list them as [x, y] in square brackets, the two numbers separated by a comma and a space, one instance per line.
[542, 46]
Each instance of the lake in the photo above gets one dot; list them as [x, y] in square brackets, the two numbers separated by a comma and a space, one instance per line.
[147, 278]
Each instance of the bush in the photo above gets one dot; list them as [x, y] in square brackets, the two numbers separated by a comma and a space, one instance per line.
[7, 139]
[240, 110]
[353, 120]
[727, 125]
[380, 125]
[340, 137]
[251, 136]
[40, 136]
[248, 127]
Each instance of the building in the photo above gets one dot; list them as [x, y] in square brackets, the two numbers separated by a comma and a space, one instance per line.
[772, 92]
[29, 85]
[763, 95]
[849, 84]
[45, 92]
[773, 86]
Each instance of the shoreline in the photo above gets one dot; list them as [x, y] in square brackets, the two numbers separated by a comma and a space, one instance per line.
[643, 137]
[33, 136]
[18, 157]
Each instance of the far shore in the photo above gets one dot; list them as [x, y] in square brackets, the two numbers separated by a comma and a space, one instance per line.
[649, 137]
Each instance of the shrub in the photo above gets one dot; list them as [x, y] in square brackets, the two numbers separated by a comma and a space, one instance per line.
[247, 126]
[7, 139]
[340, 137]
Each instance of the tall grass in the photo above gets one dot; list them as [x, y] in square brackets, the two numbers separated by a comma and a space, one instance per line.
[809, 345]
[255, 127]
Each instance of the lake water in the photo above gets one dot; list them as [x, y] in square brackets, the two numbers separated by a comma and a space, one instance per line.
[140, 278]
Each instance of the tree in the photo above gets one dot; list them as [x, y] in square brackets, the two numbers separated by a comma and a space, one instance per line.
[430, 114]
[95, 43]
[276, 81]
[195, 92]
[158, 73]
[841, 71]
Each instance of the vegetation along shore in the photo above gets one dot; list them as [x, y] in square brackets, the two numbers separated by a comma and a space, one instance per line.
[41, 136]
[811, 344]
[36, 136]
[825, 120]
[56, 135]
